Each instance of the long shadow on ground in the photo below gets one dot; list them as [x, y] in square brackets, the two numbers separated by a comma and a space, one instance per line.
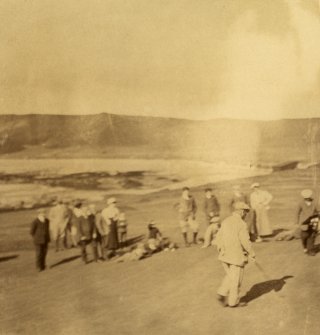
[8, 258]
[134, 240]
[64, 261]
[317, 248]
[265, 287]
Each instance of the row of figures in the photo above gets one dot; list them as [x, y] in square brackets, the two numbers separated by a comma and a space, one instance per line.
[257, 218]
[79, 225]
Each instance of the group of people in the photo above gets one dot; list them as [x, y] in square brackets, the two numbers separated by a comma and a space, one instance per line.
[81, 225]
[248, 222]
[257, 218]
[106, 230]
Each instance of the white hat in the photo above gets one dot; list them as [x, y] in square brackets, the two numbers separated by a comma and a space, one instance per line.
[111, 201]
[241, 205]
[306, 194]
[254, 185]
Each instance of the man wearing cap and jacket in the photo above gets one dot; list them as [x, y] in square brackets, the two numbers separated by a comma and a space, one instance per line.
[211, 205]
[234, 247]
[306, 213]
[187, 215]
[87, 233]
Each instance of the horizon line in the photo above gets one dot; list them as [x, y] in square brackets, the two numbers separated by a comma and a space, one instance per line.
[164, 117]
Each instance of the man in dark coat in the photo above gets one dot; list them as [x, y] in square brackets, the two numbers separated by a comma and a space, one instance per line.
[187, 215]
[41, 237]
[307, 221]
[211, 205]
[87, 234]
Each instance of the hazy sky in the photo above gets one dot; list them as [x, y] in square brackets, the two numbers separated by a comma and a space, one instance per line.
[181, 58]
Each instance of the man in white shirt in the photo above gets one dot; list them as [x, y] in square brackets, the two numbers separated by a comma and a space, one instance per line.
[260, 203]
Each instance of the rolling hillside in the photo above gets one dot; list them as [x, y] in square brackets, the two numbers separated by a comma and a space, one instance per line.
[108, 135]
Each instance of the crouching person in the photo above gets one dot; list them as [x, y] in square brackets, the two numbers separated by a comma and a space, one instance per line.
[233, 243]
[41, 238]
[307, 220]
[211, 230]
[309, 231]
[87, 234]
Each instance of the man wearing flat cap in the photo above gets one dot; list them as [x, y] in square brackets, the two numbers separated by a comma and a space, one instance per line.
[234, 247]
[211, 205]
[307, 217]
[187, 215]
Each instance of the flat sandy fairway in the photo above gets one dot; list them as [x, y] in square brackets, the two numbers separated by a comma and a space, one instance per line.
[172, 293]
[168, 293]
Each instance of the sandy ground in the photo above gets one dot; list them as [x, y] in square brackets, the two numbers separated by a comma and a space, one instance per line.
[170, 292]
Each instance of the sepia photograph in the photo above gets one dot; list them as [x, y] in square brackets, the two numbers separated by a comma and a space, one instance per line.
[159, 167]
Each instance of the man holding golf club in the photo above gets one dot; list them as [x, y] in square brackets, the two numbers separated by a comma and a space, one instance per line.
[234, 247]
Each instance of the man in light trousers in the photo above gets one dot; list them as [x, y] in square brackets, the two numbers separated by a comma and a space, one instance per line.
[234, 247]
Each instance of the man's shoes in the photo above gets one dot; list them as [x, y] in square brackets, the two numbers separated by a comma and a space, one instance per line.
[259, 239]
[311, 253]
[222, 300]
[240, 304]
[305, 250]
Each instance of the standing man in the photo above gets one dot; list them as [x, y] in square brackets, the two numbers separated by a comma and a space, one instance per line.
[111, 216]
[102, 230]
[41, 238]
[211, 205]
[260, 201]
[187, 215]
[239, 196]
[59, 218]
[87, 234]
[234, 247]
[307, 216]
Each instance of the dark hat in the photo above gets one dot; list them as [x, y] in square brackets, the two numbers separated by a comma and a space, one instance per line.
[208, 189]
[185, 188]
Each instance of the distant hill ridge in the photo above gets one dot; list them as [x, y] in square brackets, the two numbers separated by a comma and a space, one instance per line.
[110, 135]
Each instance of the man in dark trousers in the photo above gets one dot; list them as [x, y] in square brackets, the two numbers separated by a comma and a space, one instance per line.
[41, 238]
[211, 205]
[307, 220]
[87, 234]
